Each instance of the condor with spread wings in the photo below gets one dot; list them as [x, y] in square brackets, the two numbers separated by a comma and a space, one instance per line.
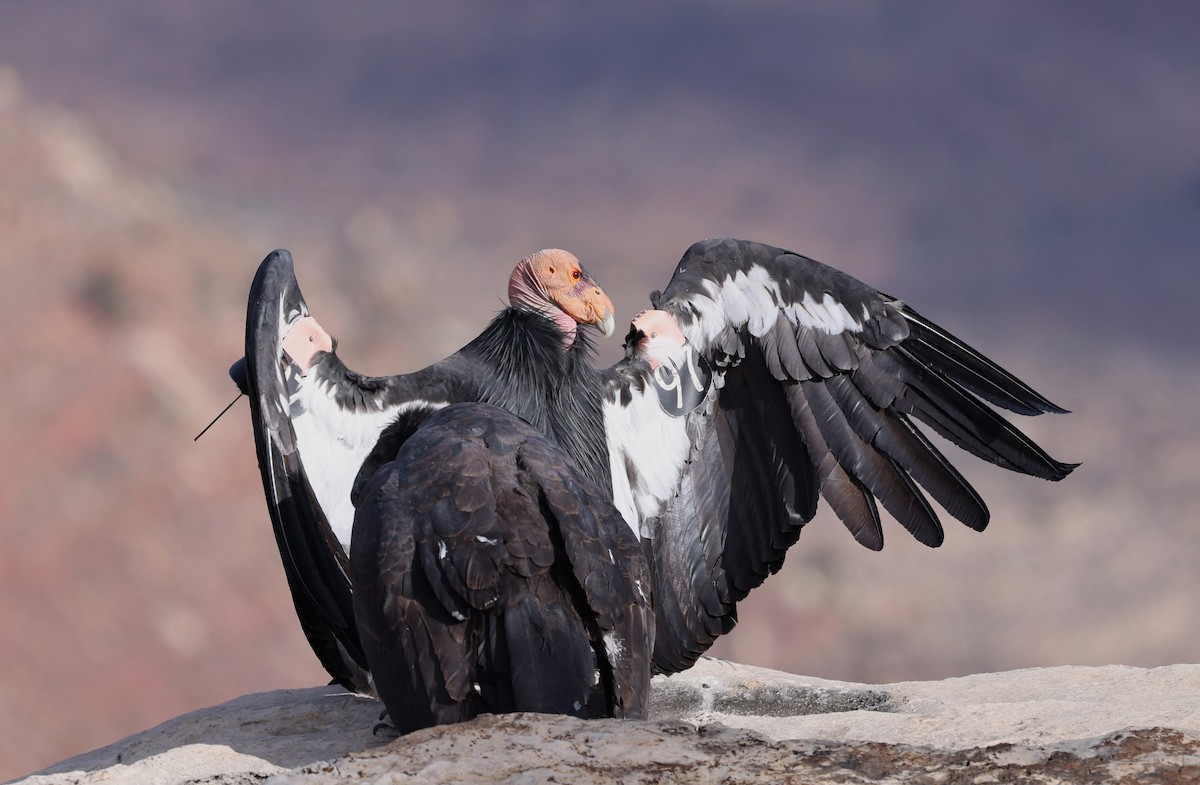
[761, 382]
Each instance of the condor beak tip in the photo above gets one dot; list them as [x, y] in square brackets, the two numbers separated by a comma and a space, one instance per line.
[608, 324]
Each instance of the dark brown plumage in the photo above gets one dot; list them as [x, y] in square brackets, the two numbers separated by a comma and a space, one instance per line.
[491, 576]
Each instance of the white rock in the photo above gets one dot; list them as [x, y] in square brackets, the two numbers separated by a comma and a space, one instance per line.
[717, 722]
[1036, 706]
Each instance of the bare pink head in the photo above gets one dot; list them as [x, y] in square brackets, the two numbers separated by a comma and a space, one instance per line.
[553, 283]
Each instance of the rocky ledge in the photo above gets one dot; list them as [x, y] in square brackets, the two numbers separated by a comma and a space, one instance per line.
[717, 723]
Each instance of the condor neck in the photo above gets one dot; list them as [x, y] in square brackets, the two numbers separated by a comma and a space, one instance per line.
[527, 294]
[527, 351]
[554, 389]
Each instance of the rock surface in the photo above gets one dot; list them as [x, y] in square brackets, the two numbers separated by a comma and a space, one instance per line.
[719, 722]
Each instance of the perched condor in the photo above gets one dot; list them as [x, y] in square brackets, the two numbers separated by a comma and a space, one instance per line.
[490, 575]
[760, 382]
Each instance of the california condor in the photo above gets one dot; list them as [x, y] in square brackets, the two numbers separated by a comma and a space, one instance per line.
[760, 382]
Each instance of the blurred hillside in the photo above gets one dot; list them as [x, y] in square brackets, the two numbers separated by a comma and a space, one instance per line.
[1026, 175]
[133, 554]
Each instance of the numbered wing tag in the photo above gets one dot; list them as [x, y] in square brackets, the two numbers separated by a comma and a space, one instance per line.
[682, 387]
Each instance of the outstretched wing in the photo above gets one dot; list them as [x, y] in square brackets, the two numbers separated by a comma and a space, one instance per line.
[313, 430]
[802, 383]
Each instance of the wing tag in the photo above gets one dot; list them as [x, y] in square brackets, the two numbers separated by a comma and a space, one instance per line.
[683, 385]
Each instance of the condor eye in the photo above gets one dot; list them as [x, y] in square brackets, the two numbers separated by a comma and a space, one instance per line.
[576, 274]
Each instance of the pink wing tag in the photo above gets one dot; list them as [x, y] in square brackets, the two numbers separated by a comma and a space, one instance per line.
[304, 340]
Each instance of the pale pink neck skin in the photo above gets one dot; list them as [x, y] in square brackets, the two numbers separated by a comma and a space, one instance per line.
[304, 339]
[526, 293]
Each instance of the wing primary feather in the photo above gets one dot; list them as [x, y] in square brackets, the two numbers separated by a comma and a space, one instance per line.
[892, 435]
[844, 493]
[853, 504]
[938, 476]
[960, 417]
[892, 486]
[936, 348]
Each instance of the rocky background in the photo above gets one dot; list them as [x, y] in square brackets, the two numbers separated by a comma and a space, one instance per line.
[1026, 175]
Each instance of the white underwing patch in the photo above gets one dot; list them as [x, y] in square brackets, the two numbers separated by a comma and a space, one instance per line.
[333, 442]
[647, 449]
